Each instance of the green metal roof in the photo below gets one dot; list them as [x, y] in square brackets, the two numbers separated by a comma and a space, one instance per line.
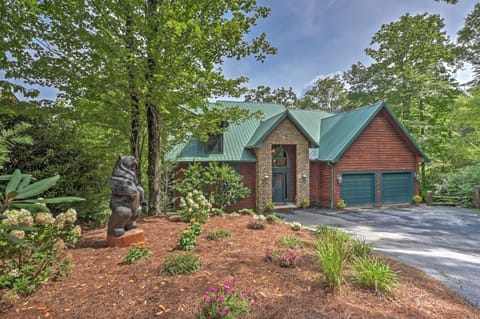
[330, 134]
[340, 130]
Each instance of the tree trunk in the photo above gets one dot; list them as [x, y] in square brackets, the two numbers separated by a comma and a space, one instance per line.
[135, 147]
[154, 122]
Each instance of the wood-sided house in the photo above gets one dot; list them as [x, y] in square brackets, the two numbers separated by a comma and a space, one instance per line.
[364, 156]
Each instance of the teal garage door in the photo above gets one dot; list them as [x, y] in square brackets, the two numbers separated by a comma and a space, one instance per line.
[358, 189]
[397, 187]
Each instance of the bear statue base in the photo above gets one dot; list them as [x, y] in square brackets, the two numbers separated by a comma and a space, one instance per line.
[130, 237]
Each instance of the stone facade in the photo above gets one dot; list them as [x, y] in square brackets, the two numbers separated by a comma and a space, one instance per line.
[286, 133]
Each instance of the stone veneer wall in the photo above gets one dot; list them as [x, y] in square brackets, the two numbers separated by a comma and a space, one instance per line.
[284, 134]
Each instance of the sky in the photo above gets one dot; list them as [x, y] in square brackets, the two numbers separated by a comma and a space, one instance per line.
[317, 38]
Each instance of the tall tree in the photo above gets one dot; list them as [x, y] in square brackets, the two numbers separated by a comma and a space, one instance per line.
[327, 94]
[265, 94]
[412, 58]
[364, 85]
[154, 62]
[469, 41]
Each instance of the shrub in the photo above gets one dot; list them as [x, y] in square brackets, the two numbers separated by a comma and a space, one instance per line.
[225, 302]
[272, 218]
[296, 226]
[217, 212]
[284, 258]
[291, 242]
[304, 203]
[194, 207]
[341, 204]
[332, 254]
[247, 211]
[137, 252]
[269, 206]
[257, 222]
[195, 228]
[360, 248]
[219, 182]
[218, 233]
[182, 264]
[187, 239]
[375, 274]
[36, 251]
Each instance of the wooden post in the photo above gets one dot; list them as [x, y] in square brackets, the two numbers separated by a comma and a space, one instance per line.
[476, 198]
[429, 198]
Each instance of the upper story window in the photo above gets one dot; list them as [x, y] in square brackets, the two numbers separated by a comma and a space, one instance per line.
[214, 144]
[279, 157]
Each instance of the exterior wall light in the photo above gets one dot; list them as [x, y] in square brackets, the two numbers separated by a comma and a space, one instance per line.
[339, 178]
[304, 176]
[265, 176]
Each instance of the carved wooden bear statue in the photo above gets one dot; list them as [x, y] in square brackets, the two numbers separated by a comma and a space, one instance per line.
[127, 196]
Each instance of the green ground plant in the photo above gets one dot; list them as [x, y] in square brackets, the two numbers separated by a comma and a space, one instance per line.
[218, 234]
[187, 240]
[286, 258]
[182, 264]
[137, 251]
[332, 251]
[225, 302]
[375, 274]
[291, 242]
[194, 207]
[272, 218]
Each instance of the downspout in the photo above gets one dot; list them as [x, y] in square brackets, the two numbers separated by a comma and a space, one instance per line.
[332, 183]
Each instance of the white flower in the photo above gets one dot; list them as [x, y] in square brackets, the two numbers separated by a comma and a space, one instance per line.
[189, 194]
[60, 221]
[77, 231]
[44, 218]
[71, 216]
[195, 192]
[10, 221]
[20, 234]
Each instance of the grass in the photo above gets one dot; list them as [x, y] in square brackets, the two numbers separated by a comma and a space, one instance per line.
[375, 274]
[332, 252]
[218, 234]
[291, 242]
[184, 263]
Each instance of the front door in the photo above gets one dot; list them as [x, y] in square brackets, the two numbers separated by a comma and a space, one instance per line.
[280, 178]
[279, 187]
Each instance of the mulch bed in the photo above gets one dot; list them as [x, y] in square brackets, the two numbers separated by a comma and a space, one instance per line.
[103, 286]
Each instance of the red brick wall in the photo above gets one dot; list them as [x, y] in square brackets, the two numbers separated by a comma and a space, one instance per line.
[381, 146]
[248, 171]
[320, 190]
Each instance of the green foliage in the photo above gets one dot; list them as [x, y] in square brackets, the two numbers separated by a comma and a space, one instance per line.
[269, 206]
[360, 248]
[194, 207]
[417, 199]
[296, 226]
[225, 302]
[187, 239]
[247, 211]
[272, 218]
[284, 258]
[304, 203]
[326, 232]
[21, 193]
[327, 94]
[291, 242]
[37, 250]
[257, 222]
[220, 183]
[136, 252]
[182, 264]
[264, 94]
[196, 228]
[12, 137]
[375, 274]
[218, 233]
[461, 182]
[341, 204]
[332, 251]
[469, 41]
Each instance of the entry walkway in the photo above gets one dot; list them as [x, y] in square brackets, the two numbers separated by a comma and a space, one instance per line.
[442, 241]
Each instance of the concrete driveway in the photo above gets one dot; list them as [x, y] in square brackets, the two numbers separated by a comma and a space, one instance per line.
[442, 241]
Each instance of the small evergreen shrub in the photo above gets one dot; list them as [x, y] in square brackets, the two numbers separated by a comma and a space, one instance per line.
[182, 264]
[218, 234]
[291, 242]
[375, 274]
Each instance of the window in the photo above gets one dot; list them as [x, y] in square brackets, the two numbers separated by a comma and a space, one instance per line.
[214, 144]
[279, 157]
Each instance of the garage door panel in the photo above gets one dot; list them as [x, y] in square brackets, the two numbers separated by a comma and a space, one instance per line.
[397, 187]
[358, 189]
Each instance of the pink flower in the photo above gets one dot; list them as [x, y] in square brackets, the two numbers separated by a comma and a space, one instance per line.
[221, 299]
[234, 279]
[228, 284]
[213, 289]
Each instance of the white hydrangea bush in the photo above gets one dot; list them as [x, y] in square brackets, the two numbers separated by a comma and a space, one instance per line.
[194, 207]
[37, 249]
